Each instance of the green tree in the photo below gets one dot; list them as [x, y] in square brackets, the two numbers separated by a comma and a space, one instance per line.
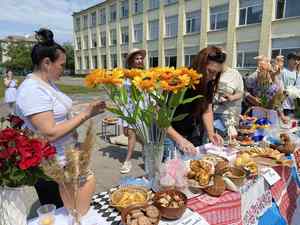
[19, 56]
[70, 65]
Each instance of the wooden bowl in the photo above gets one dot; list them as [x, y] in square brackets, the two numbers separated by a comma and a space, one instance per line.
[127, 210]
[236, 175]
[170, 213]
[117, 194]
[218, 188]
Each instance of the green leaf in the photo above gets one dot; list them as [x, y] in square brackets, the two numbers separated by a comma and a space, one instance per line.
[176, 99]
[163, 120]
[115, 111]
[180, 117]
[189, 100]
[123, 95]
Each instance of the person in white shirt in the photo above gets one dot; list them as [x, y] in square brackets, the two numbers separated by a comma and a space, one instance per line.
[228, 99]
[11, 90]
[46, 110]
[289, 78]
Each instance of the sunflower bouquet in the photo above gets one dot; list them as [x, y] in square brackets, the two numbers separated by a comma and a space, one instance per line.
[146, 99]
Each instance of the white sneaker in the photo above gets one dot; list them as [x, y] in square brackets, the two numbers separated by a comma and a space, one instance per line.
[126, 167]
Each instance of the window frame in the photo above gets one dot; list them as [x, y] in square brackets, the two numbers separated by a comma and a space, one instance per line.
[115, 61]
[102, 63]
[102, 37]
[87, 62]
[135, 33]
[216, 20]
[95, 62]
[149, 32]
[85, 21]
[166, 28]
[153, 7]
[113, 14]
[123, 9]
[86, 41]
[243, 59]
[102, 16]
[192, 19]
[190, 59]
[78, 43]
[135, 8]
[246, 14]
[127, 31]
[113, 42]
[169, 57]
[94, 40]
[77, 23]
[170, 2]
[93, 19]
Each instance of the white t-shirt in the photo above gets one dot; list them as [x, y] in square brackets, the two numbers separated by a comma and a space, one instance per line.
[231, 82]
[289, 79]
[33, 98]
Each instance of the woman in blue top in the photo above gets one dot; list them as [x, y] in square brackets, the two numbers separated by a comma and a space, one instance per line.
[46, 110]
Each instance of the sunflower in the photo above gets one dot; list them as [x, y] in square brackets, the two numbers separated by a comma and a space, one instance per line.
[94, 78]
[194, 76]
[146, 81]
[132, 73]
[175, 83]
[164, 73]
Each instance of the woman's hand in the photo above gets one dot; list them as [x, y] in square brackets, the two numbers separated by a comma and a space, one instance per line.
[186, 146]
[216, 139]
[229, 98]
[95, 108]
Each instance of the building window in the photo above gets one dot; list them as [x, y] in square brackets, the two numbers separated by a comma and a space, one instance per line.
[251, 14]
[87, 63]
[153, 4]
[124, 56]
[138, 32]
[94, 40]
[171, 61]
[86, 41]
[102, 16]
[218, 17]
[114, 62]
[284, 52]
[85, 21]
[171, 26]
[246, 59]
[168, 2]
[287, 8]
[153, 61]
[137, 6]
[93, 19]
[77, 24]
[95, 62]
[103, 61]
[78, 40]
[153, 29]
[79, 63]
[193, 21]
[188, 60]
[125, 35]
[103, 38]
[113, 37]
[113, 13]
[124, 9]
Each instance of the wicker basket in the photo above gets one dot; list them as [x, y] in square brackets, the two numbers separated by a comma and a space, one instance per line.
[117, 194]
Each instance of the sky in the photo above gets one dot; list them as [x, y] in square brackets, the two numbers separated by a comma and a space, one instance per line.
[23, 17]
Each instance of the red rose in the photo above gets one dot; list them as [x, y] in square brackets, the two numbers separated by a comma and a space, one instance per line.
[8, 134]
[49, 151]
[4, 154]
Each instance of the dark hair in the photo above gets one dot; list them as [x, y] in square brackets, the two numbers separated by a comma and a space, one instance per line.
[45, 48]
[200, 62]
[291, 55]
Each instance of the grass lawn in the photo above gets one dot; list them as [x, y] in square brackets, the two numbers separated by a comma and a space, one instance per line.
[68, 89]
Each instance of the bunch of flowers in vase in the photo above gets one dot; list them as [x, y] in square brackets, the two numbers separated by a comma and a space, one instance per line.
[147, 100]
[21, 156]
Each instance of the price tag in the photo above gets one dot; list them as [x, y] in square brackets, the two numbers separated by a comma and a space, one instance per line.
[270, 175]
[194, 219]
[189, 218]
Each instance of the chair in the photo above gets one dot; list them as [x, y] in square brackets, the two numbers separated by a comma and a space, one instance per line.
[109, 122]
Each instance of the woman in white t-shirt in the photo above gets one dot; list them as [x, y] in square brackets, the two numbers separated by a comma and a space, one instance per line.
[46, 110]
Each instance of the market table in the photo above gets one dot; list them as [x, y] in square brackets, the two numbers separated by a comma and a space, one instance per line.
[255, 203]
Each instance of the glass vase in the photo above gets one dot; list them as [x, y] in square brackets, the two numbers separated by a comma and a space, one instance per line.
[12, 206]
[153, 155]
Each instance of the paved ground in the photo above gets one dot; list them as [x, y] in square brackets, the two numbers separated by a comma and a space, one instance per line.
[106, 158]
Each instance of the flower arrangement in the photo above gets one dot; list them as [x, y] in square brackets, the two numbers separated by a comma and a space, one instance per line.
[20, 158]
[146, 99]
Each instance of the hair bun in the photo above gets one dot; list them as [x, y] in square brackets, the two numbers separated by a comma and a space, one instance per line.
[45, 37]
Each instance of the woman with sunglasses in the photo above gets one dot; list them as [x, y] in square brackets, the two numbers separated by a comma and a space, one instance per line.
[190, 131]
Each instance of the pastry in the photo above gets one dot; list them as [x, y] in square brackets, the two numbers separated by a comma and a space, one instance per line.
[152, 212]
